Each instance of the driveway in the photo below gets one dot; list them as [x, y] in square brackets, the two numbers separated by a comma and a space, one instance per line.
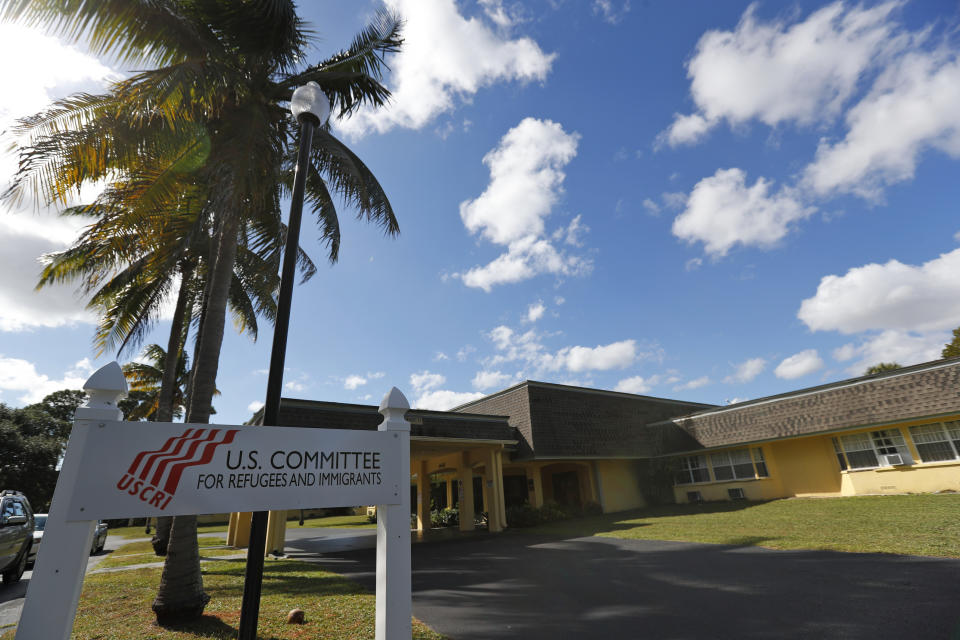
[523, 586]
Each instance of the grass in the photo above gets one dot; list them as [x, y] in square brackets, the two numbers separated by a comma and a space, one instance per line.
[352, 522]
[116, 606]
[357, 522]
[138, 531]
[925, 525]
[142, 552]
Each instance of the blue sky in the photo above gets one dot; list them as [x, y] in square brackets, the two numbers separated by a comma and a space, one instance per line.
[708, 201]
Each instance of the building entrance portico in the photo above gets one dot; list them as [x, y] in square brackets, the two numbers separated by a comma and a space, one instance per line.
[461, 467]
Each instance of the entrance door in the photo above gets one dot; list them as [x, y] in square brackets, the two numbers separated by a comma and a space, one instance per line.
[566, 489]
[514, 491]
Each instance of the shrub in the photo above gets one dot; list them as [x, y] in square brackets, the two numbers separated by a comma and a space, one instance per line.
[523, 516]
[445, 518]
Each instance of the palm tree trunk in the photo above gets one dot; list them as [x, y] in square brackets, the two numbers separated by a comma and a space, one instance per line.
[174, 351]
[181, 596]
[161, 536]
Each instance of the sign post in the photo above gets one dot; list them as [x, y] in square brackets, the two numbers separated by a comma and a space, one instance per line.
[115, 469]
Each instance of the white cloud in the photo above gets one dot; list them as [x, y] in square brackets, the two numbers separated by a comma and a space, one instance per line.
[354, 381]
[535, 311]
[528, 347]
[911, 107]
[674, 199]
[54, 70]
[498, 14]
[615, 355]
[491, 379]
[609, 12]
[22, 376]
[295, 385]
[652, 207]
[559, 300]
[440, 356]
[442, 399]
[722, 211]
[464, 352]
[693, 264]
[776, 72]
[799, 364]
[424, 381]
[746, 371]
[637, 384]
[526, 181]
[446, 59]
[903, 347]
[254, 406]
[735, 400]
[888, 296]
[694, 384]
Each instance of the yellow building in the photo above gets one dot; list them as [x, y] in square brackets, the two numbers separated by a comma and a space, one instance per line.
[538, 443]
[894, 432]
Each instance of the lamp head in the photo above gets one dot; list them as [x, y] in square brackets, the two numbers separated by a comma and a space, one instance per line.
[311, 99]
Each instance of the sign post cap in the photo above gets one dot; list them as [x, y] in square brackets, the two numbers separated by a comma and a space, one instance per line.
[109, 377]
[394, 399]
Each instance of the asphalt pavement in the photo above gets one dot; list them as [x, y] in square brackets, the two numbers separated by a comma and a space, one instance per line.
[516, 585]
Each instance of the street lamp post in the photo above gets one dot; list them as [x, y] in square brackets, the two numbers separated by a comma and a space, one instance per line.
[311, 107]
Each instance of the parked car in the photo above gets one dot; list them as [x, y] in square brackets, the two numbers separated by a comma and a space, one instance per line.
[16, 534]
[39, 522]
[99, 537]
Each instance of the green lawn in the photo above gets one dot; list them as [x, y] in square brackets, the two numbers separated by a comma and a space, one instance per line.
[138, 532]
[353, 522]
[142, 553]
[116, 606]
[926, 525]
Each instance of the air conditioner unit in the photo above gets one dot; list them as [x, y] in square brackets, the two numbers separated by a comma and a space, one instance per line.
[893, 459]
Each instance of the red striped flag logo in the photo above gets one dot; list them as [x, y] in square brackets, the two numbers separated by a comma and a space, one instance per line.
[154, 476]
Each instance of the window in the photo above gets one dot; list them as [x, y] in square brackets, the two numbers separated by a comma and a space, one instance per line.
[859, 450]
[864, 450]
[693, 469]
[937, 442]
[736, 494]
[728, 465]
[839, 451]
[694, 496]
[760, 463]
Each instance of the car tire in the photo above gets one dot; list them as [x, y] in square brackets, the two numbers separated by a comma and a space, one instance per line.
[14, 574]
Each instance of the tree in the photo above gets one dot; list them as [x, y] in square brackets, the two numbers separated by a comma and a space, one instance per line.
[145, 377]
[952, 348]
[223, 70]
[33, 441]
[881, 367]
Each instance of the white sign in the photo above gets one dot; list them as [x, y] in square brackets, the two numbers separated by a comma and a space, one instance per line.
[189, 469]
[152, 469]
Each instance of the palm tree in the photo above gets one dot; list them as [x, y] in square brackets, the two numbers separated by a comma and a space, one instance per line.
[222, 69]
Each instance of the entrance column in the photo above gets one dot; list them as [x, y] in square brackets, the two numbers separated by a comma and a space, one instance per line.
[449, 482]
[276, 532]
[533, 473]
[493, 492]
[501, 498]
[423, 498]
[241, 531]
[465, 474]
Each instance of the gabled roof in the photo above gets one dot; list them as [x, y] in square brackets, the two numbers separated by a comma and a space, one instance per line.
[423, 423]
[930, 389]
[561, 421]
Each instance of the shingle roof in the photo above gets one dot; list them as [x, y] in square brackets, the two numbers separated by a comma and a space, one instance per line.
[433, 424]
[925, 390]
[560, 421]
